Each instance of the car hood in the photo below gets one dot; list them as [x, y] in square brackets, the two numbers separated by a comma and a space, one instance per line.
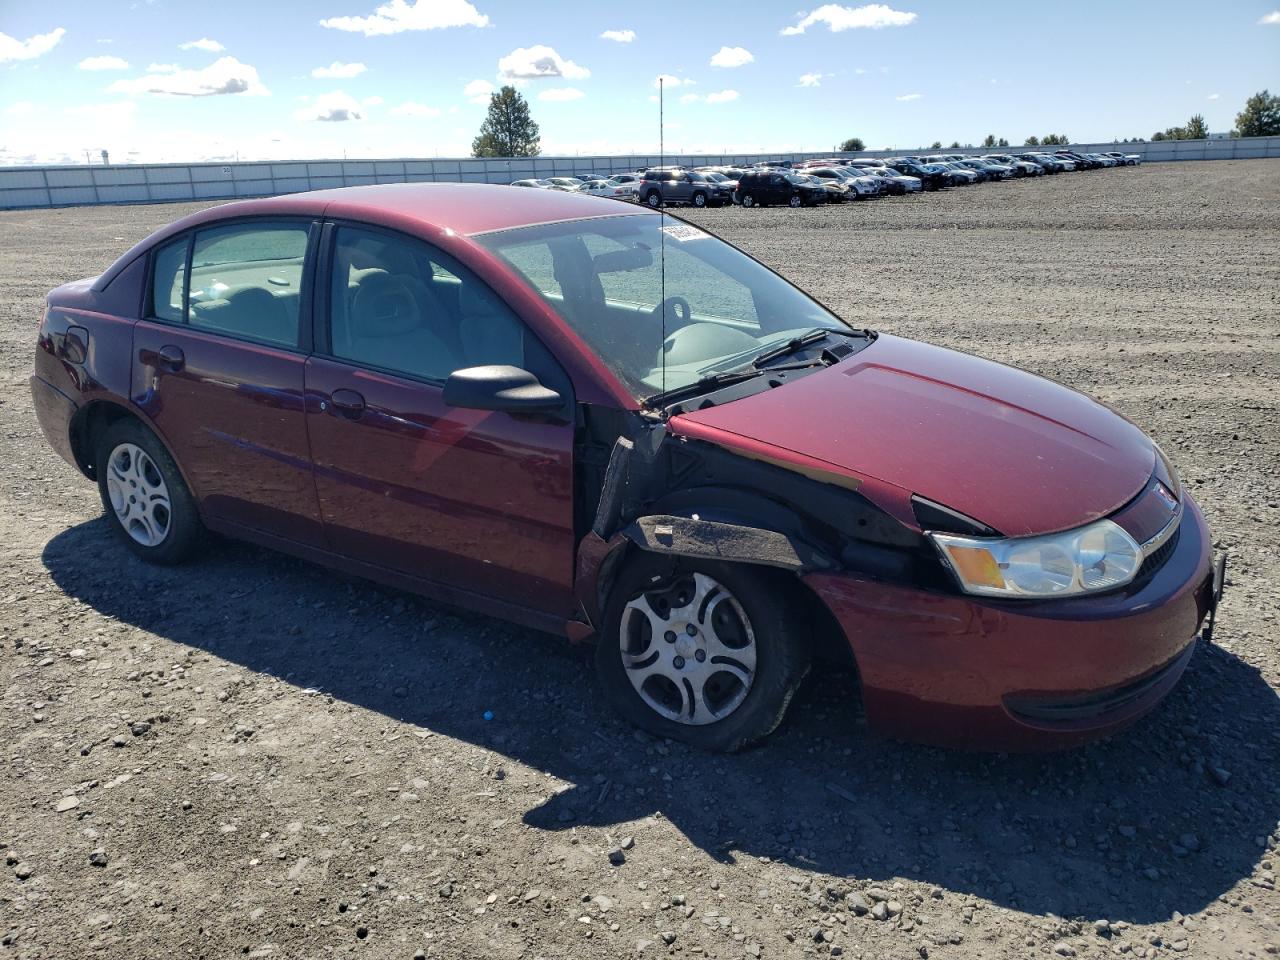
[1019, 453]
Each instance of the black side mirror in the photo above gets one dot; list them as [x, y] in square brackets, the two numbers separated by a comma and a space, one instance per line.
[499, 387]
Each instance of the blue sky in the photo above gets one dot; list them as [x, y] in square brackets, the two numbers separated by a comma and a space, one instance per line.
[180, 80]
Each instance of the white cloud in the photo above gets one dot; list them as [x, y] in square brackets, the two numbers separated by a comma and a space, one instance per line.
[336, 107]
[1212, 96]
[561, 94]
[11, 48]
[163, 68]
[397, 16]
[410, 109]
[907, 97]
[670, 81]
[723, 96]
[478, 91]
[103, 63]
[99, 116]
[204, 43]
[339, 71]
[873, 16]
[1272, 19]
[810, 80]
[536, 62]
[731, 57]
[620, 36]
[689, 98]
[20, 108]
[372, 101]
[224, 75]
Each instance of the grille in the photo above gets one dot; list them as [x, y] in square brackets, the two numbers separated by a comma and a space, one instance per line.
[1158, 559]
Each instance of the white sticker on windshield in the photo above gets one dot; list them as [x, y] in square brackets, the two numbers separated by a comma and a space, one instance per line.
[683, 232]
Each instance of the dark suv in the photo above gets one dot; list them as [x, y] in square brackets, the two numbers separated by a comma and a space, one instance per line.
[660, 186]
[759, 188]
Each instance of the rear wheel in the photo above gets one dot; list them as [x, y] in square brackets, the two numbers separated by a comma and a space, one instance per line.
[144, 495]
[706, 653]
[796, 200]
[653, 198]
[748, 200]
[699, 199]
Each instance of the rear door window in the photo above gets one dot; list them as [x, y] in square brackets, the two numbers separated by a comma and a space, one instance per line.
[246, 280]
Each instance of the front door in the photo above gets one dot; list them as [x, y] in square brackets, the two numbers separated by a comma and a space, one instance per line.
[475, 500]
[218, 367]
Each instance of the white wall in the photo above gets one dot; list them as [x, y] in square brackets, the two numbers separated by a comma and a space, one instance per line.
[152, 183]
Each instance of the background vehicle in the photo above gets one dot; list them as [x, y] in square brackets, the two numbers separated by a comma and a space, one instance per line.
[762, 188]
[1020, 168]
[1128, 159]
[661, 186]
[537, 184]
[932, 177]
[564, 183]
[609, 188]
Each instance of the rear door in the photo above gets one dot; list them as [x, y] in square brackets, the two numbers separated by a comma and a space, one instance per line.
[218, 365]
[480, 501]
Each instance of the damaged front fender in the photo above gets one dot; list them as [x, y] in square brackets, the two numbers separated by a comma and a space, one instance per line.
[730, 542]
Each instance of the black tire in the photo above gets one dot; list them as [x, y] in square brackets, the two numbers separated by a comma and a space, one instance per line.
[699, 199]
[184, 533]
[653, 198]
[796, 200]
[748, 200]
[775, 618]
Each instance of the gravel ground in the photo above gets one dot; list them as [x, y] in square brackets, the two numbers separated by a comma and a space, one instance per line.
[251, 756]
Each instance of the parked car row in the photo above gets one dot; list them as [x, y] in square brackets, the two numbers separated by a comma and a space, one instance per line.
[831, 180]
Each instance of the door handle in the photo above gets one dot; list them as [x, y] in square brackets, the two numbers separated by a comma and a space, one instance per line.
[171, 357]
[347, 403]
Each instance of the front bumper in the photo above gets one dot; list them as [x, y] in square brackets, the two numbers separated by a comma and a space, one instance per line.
[962, 671]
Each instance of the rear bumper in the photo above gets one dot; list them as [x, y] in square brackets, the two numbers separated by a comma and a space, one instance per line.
[963, 672]
[54, 410]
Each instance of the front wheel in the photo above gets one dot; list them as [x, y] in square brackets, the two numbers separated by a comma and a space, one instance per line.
[706, 653]
[796, 200]
[144, 495]
[699, 199]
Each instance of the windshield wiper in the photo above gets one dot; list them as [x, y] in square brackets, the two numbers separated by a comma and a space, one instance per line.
[796, 344]
[722, 379]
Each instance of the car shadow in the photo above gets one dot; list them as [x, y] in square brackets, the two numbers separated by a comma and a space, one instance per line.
[1165, 817]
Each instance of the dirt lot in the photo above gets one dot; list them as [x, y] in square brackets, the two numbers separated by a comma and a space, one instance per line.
[251, 756]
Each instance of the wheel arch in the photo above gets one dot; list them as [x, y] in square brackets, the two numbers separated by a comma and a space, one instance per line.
[93, 419]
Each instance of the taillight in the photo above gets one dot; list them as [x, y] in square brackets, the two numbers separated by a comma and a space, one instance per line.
[44, 312]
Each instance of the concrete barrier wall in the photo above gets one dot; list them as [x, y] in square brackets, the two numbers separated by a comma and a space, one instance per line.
[155, 183]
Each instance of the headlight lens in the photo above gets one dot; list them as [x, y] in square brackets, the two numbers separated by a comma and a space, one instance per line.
[1100, 556]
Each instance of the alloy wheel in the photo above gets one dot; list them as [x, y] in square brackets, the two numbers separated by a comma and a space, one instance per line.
[138, 494]
[688, 650]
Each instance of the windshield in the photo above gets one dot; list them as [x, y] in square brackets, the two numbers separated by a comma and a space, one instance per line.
[604, 277]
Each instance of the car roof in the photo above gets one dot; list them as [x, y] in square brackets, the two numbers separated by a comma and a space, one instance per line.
[420, 208]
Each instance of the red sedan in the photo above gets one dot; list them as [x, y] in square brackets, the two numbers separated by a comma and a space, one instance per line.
[604, 422]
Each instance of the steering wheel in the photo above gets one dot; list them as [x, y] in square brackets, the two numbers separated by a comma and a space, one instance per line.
[678, 306]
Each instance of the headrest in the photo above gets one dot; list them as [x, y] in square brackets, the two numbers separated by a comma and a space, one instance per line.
[383, 307]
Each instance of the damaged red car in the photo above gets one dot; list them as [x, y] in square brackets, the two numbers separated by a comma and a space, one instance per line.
[609, 424]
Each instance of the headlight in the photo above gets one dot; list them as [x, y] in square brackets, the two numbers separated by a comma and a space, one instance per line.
[1101, 556]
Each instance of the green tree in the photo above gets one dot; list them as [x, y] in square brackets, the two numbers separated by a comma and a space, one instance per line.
[1002, 142]
[954, 145]
[1031, 142]
[990, 140]
[1055, 139]
[1196, 128]
[936, 145]
[852, 145]
[1260, 116]
[508, 130]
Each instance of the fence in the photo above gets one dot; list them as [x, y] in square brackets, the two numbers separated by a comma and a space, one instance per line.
[154, 183]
